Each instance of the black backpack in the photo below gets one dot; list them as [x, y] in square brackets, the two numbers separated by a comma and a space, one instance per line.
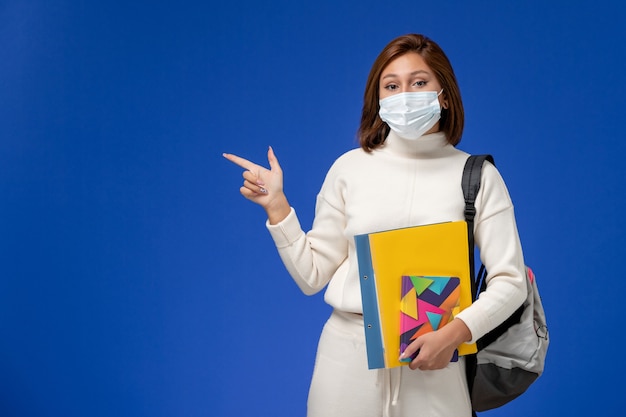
[512, 356]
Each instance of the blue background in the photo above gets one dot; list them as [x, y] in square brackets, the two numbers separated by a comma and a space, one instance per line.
[136, 281]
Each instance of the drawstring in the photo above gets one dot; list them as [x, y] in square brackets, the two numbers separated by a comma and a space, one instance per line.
[396, 378]
[390, 378]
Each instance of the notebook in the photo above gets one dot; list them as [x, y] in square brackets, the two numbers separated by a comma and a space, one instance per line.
[426, 304]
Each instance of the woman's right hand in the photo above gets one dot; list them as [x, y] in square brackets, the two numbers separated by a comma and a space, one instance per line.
[264, 186]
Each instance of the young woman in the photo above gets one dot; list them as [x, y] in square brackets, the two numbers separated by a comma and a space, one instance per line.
[407, 172]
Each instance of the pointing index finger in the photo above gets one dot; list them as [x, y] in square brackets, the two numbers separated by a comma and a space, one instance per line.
[242, 162]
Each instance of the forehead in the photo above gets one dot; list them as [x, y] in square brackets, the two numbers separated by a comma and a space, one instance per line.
[408, 63]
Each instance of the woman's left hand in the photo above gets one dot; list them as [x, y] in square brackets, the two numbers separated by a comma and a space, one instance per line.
[436, 348]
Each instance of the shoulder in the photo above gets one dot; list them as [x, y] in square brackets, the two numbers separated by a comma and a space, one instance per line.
[489, 173]
[493, 195]
[350, 161]
[348, 168]
[491, 177]
[353, 156]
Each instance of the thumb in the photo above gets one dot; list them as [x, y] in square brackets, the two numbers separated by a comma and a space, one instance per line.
[411, 351]
[271, 157]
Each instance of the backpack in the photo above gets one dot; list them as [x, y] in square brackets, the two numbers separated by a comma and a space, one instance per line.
[512, 356]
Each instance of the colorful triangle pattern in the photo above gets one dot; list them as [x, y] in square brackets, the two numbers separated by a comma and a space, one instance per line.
[427, 304]
[420, 284]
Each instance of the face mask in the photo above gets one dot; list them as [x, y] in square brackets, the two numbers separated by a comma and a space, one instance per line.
[411, 115]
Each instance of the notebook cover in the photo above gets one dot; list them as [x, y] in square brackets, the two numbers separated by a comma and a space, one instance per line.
[427, 304]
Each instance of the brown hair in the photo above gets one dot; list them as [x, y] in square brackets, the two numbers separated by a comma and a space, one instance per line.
[373, 130]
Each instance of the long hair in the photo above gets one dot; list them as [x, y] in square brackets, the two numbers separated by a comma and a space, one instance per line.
[373, 131]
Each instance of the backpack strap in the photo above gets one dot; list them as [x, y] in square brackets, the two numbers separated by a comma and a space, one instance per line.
[470, 183]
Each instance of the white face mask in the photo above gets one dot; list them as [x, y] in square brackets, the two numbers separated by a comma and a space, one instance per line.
[411, 115]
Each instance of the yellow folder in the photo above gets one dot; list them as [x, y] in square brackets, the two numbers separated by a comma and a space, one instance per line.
[384, 257]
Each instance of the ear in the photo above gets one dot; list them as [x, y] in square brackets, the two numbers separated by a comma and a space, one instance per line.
[444, 101]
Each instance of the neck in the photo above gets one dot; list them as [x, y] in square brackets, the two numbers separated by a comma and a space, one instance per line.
[424, 146]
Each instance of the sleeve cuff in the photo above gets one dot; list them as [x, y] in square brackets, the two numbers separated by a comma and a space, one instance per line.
[287, 231]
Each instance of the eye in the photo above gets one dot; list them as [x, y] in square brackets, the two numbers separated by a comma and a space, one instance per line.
[420, 84]
[391, 87]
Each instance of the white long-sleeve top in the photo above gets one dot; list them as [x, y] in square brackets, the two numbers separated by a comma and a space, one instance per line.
[403, 183]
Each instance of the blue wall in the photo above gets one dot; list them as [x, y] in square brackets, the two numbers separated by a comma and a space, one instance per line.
[136, 281]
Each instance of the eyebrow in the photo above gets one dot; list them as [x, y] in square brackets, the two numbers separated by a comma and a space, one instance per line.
[412, 74]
